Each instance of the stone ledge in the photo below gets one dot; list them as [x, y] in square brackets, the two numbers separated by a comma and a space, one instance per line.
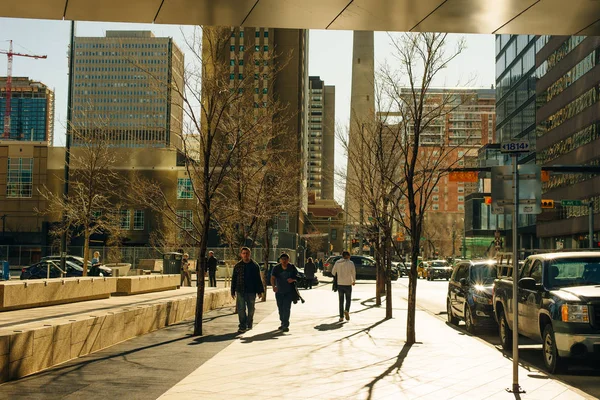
[26, 352]
[129, 285]
[15, 295]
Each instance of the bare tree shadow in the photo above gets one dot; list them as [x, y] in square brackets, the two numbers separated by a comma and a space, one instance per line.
[261, 337]
[391, 369]
[329, 327]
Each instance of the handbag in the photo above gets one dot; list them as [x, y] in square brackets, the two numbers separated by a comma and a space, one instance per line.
[334, 286]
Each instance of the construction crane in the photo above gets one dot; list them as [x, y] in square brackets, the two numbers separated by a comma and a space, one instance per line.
[7, 107]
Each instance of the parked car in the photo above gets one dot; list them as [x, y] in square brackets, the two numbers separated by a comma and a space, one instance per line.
[470, 294]
[51, 268]
[558, 303]
[104, 270]
[438, 269]
[328, 265]
[366, 268]
[302, 281]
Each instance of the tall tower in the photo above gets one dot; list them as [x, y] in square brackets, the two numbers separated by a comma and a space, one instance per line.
[362, 110]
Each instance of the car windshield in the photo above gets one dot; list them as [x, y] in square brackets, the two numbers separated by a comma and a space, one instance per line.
[483, 274]
[439, 264]
[573, 272]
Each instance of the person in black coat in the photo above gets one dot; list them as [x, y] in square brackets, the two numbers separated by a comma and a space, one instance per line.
[211, 264]
[246, 286]
[309, 271]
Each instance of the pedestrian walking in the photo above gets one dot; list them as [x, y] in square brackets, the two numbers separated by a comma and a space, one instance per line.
[246, 286]
[321, 264]
[95, 270]
[345, 272]
[283, 279]
[309, 272]
[186, 276]
[212, 269]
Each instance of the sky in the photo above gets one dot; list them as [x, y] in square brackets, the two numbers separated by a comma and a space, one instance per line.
[330, 57]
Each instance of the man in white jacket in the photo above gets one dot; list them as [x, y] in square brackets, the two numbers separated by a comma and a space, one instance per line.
[345, 271]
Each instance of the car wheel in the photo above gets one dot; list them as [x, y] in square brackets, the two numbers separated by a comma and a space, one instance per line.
[469, 322]
[505, 332]
[552, 361]
[451, 318]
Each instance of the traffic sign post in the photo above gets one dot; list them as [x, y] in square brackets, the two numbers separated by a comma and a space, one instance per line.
[515, 147]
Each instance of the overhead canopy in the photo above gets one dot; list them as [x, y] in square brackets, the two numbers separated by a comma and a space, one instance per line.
[557, 17]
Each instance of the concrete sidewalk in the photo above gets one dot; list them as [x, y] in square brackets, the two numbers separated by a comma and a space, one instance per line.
[365, 358]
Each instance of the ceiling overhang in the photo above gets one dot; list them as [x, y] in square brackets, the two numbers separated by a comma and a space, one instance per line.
[557, 17]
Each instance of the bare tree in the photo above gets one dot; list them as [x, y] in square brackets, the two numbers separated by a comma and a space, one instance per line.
[89, 206]
[416, 121]
[229, 122]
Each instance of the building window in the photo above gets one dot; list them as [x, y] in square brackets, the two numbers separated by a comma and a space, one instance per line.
[257, 48]
[266, 48]
[436, 198]
[125, 220]
[461, 198]
[257, 34]
[185, 219]
[231, 76]
[19, 179]
[461, 207]
[138, 220]
[334, 234]
[232, 62]
[435, 207]
[282, 222]
[241, 62]
[184, 188]
[232, 48]
[266, 33]
[461, 189]
[436, 189]
[241, 48]
[241, 77]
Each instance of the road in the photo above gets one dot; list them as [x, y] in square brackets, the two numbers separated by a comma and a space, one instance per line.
[431, 297]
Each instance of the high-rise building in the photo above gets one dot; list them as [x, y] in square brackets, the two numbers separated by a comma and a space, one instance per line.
[32, 110]
[568, 133]
[321, 138]
[252, 50]
[126, 84]
[362, 110]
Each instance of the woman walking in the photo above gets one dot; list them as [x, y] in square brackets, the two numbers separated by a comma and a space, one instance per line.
[309, 272]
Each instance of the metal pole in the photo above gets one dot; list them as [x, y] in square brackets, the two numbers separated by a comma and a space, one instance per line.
[591, 224]
[63, 237]
[515, 224]
[329, 237]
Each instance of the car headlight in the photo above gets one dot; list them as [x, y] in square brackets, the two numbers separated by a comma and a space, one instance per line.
[482, 299]
[575, 313]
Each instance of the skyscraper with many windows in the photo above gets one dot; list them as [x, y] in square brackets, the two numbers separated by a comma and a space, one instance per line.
[568, 133]
[321, 138]
[126, 83]
[32, 110]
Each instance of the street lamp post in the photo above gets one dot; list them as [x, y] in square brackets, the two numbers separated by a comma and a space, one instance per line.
[329, 236]
[63, 238]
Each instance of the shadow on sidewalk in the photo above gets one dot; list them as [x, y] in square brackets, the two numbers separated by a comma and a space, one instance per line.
[394, 368]
[329, 327]
[261, 337]
[214, 338]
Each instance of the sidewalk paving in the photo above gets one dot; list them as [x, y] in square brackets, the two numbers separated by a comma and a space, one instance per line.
[365, 358]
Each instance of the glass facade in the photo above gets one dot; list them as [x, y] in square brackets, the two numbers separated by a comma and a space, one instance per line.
[185, 219]
[184, 188]
[125, 220]
[19, 178]
[32, 110]
[138, 220]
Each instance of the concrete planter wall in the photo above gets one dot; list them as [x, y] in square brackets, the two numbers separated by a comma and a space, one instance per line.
[16, 295]
[129, 285]
[24, 353]
[119, 269]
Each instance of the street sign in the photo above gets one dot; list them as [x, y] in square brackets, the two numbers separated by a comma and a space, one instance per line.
[514, 147]
[463, 176]
[497, 210]
[571, 203]
[530, 189]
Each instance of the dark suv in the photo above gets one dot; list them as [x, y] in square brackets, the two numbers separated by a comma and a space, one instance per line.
[470, 294]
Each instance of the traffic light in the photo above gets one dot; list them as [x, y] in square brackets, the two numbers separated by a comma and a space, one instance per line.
[547, 203]
[487, 200]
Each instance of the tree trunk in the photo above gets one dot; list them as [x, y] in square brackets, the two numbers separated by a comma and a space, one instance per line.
[388, 276]
[379, 288]
[267, 244]
[86, 250]
[201, 267]
[412, 293]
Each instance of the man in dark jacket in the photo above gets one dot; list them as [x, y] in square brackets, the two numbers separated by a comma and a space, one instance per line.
[246, 286]
[282, 279]
[211, 264]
